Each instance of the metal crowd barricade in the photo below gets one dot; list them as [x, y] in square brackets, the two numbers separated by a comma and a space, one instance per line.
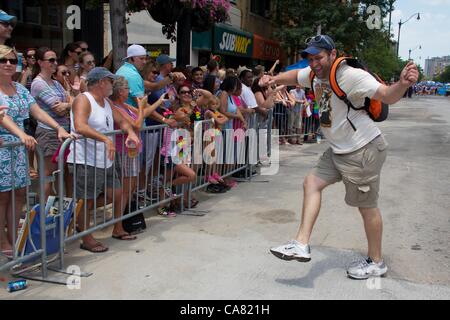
[145, 179]
[214, 151]
[294, 123]
[25, 249]
[310, 127]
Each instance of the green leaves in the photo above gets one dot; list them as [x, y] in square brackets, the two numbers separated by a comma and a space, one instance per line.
[347, 23]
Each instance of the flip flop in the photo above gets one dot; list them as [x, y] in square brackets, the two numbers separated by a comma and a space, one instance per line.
[100, 248]
[125, 237]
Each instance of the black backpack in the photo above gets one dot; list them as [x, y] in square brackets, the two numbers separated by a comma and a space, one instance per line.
[136, 223]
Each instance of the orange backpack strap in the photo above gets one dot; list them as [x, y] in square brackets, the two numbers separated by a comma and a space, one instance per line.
[333, 82]
[337, 89]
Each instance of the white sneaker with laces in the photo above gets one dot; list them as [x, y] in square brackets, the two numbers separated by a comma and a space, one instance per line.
[366, 268]
[292, 250]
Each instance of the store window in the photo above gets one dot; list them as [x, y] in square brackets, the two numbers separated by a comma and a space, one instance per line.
[40, 23]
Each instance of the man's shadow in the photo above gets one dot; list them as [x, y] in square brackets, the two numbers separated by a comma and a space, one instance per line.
[333, 259]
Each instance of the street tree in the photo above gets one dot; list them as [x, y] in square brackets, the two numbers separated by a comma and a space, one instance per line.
[444, 76]
[356, 27]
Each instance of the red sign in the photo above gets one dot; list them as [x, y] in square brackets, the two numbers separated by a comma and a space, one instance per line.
[265, 49]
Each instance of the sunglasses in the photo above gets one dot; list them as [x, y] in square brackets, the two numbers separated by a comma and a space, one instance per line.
[316, 39]
[51, 60]
[8, 24]
[92, 62]
[11, 61]
[84, 49]
[31, 57]
[156, 72]
[65, 73]
[185, 92]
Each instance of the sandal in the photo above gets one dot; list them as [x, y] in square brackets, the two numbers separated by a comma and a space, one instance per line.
[125, 236]
[97, 248]
[166, 212]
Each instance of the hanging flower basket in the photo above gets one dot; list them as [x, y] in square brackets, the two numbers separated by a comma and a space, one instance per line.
[204, 13]
[166, 11]
[207, 12]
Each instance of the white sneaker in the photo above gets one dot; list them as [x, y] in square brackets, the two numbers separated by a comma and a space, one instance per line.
[292, 250]
[366, 268]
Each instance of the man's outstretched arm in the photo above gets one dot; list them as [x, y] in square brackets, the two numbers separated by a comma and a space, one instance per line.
[392, 94]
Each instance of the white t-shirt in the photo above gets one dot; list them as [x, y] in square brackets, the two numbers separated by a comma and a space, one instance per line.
[357, 84]
[248, 97]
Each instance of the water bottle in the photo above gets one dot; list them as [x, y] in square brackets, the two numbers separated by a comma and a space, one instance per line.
[17, 285]
[318, 138]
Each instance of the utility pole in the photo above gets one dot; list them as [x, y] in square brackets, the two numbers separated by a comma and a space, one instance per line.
[390, 16]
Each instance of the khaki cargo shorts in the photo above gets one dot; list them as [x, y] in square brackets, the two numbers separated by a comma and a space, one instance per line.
[359, 170]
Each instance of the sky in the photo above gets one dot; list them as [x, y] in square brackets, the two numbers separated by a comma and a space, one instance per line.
[431, 32]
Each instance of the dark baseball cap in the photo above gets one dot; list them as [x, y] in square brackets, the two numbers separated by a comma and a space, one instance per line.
[164, 59]
[318, 43]
[99, 73]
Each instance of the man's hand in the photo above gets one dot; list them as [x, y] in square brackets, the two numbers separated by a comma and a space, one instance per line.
[110, 149]
[177, 76]
[409, 75]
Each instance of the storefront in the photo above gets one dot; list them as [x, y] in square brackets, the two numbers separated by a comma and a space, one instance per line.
[55, 23]
[233, 46]
[266, 51]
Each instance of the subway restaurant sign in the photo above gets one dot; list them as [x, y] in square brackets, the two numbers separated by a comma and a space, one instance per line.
[231, 41]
